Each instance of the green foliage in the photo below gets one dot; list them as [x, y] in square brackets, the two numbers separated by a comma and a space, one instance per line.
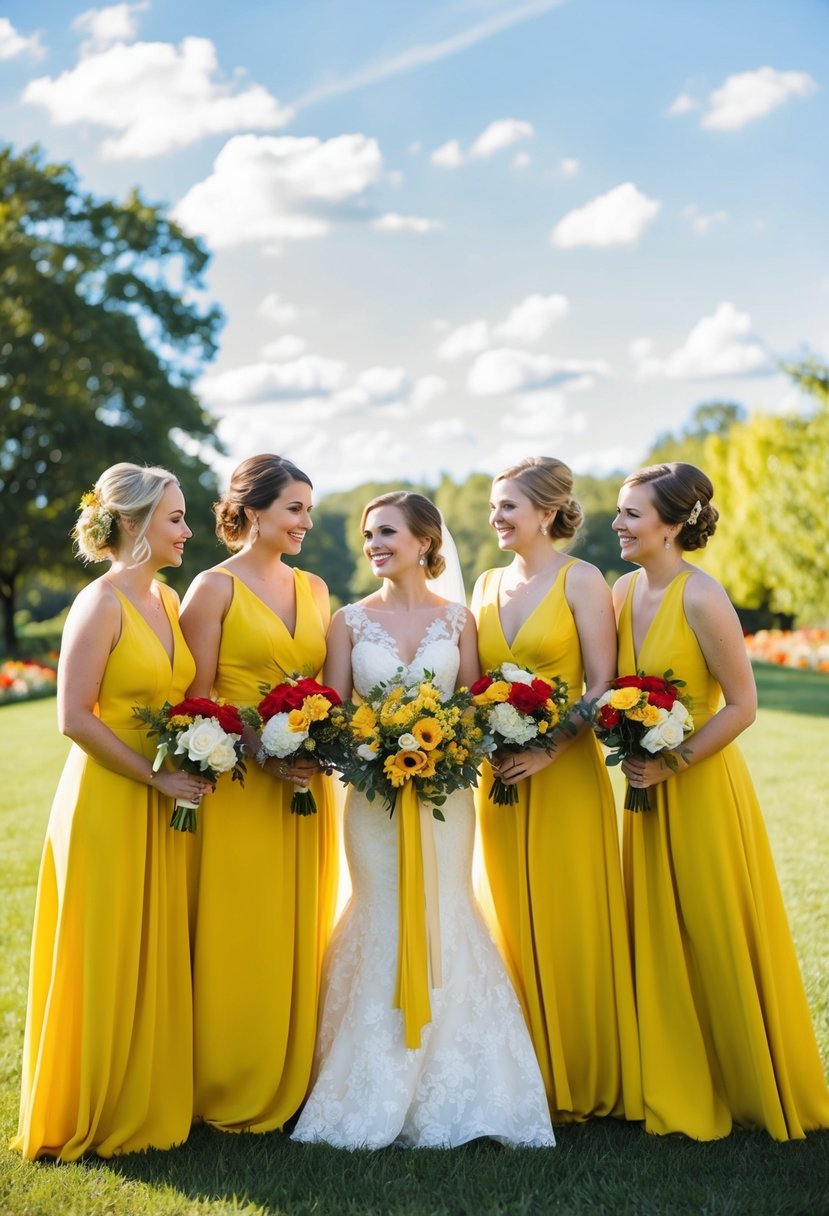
[101, 334]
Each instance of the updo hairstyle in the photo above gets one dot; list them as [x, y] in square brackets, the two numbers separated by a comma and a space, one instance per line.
[122, 492]
[681, 494]
[255, 483]
[548, 483]
[423, 519]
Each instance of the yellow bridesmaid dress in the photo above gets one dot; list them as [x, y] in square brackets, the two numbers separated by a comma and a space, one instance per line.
[265, 893]
[553, 865]
[726, 1035]
[107, 1057]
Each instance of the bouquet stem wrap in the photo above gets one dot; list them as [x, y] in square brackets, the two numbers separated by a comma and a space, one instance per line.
[418, 914]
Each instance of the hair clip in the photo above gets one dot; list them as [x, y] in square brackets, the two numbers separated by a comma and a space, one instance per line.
[694, 516]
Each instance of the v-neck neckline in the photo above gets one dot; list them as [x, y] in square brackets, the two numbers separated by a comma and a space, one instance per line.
[268, 608]
[531, 614]
[654, 618]
[422, 644]
[171, 658]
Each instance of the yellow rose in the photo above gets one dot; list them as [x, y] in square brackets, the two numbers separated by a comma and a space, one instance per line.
[497, 692]
[428, 733]
[364, 722]
[625, 698]
[297, 721]
[316, 707]
[646, 714]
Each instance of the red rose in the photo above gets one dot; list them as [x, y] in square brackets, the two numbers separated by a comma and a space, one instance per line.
[627, 682]
[525, 699]
[193, 707]
[662, 700]
[480, 686]
[543, 689]
[312, 688]
[278, 701]
[229, 719]
[608, 717]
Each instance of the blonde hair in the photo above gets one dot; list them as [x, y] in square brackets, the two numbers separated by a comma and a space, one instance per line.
[423, 519]
[548, 483]
[122, 492]
[256, 482]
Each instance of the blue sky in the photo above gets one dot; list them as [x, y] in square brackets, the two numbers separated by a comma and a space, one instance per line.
[448, 235]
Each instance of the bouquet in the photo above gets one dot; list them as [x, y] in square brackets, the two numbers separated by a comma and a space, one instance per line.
[642, 715]
[516, 710]
[299, 718]
[400, 735]
[201, 736]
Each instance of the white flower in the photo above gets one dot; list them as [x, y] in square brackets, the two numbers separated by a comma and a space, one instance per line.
[516, 675]
[200, 739]
[407, 743]
[605, 698]
[223, 756]
[366, 753]
[278, 739]
[506, 721]
[681, 714]
[666, 734]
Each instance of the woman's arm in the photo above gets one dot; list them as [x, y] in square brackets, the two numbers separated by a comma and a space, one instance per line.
[319, 591]
[92, 630]
[711, 615]
[202, 617]
[469, 668]
[338, 657]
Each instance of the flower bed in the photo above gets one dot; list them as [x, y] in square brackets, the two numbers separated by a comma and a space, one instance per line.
[25, 679]
[806, 649]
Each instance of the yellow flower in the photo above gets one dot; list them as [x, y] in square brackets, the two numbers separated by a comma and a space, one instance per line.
[625, 698]
[543, 727]
[646, 714]
[428, 733]
[316, 707]
[89, 499]
[497, 692]
[297, 721]
[364, 722]
[179, 721]
[403, 765]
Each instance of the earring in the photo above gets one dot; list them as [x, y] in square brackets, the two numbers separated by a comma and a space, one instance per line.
[543, 529]
[668, 543]
[421, 561]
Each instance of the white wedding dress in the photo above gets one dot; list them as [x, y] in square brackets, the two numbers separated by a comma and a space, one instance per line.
[475, 1073]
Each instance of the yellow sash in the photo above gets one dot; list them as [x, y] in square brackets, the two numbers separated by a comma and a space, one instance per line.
[418, 913]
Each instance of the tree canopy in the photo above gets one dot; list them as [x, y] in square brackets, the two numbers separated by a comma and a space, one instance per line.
[103, 327]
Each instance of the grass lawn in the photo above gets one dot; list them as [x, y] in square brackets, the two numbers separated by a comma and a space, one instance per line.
[601, 1167]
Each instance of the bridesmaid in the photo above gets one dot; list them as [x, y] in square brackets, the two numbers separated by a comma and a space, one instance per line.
[552, 859]
[726, 1035]
[107, 1056]
[266, 881]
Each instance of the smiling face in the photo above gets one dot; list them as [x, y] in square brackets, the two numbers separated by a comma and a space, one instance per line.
[282, 525]
[167, 532]
[514, 516]
[389, 543]
[638, 525]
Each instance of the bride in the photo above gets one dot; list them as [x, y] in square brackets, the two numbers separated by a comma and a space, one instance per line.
[474, 1073]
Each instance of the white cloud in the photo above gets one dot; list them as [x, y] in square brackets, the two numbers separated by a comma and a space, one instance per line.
[426, 390]
[449, 430]
[13, 44]
[682, 105]
[274, 188]
[104, 26]
[157, 96]
[288, 346]
[521, 160]
[700, 221]
[746, 96]
[603, 461]
[505, 370]
[274, 308]
[719, 345]
[393, 222]
[465, 340]
[448, 155]
[616, 218]
[500, 134]
[530, 320]
[568, 166]
[267, 382]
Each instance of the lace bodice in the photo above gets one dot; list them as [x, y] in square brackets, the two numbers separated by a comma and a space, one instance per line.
[375, 656]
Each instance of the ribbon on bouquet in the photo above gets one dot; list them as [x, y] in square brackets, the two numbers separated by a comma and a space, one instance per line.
[418, 914]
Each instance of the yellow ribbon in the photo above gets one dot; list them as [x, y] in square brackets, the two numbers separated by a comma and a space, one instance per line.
[418, 914]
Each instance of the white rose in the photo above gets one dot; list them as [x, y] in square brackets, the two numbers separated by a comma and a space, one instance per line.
[407, 743]
[223, 756]
[516, 675]
[199, 739]
[665, 735]
[278, 739]
[681, 714]
[366, 753]
[604, 698]
[506, 721]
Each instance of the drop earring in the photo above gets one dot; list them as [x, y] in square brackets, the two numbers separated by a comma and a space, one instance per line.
[421, 561]
[543, 529]
[668, 543]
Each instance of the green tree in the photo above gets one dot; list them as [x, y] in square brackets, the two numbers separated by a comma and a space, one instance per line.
[102, 331]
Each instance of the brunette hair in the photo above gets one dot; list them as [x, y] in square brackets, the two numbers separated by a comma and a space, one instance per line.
[423, 519]
[548, 483]
[256, 482]
[122, 492]
[681, 493]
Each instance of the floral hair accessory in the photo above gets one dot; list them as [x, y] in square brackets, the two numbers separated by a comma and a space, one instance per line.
[695, 510]
[89, 499]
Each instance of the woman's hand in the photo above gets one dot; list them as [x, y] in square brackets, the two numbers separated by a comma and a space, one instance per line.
[299, 771]
[512, 767]
[643, 773]
[177, 784]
